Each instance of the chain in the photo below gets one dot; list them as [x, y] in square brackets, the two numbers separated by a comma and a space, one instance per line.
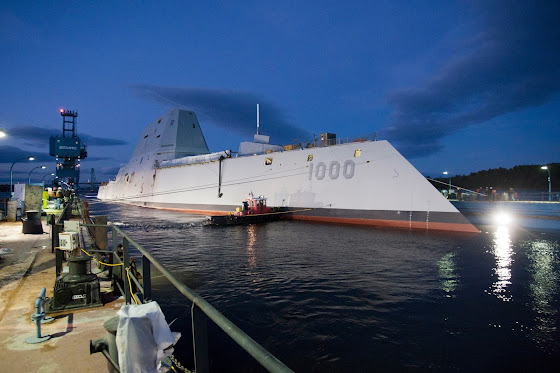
[177, 364]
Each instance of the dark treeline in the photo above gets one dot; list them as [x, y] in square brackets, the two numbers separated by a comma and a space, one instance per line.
[519, 177]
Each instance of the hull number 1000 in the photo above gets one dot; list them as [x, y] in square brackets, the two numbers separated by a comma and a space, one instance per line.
[333, 171]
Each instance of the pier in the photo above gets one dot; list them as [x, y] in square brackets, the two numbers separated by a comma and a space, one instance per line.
[24, 270]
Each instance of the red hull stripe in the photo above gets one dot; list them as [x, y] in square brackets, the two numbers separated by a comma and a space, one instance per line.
[404, 224]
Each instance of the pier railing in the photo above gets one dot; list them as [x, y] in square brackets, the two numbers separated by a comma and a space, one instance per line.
[123, 277]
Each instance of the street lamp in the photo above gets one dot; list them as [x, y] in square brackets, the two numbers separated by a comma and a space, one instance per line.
[51, 174]
[546, 168]
[449, 191]
[29, 176]
[29, 158]
[50, 179]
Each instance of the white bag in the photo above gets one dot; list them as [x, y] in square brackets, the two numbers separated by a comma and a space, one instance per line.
[142, 335]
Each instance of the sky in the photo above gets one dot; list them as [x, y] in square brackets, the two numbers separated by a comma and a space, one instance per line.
[457, 86]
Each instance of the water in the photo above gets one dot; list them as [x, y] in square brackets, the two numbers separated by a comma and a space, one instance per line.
[331, 298]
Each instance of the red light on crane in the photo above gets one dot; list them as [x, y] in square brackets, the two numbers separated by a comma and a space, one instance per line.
[62, 110]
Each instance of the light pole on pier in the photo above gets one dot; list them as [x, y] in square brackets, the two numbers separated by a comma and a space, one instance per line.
[43, 179]
[449, 191]
[549, 189]
[29, 176]
[29, 158]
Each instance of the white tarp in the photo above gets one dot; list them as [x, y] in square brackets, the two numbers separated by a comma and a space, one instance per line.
[142, 335]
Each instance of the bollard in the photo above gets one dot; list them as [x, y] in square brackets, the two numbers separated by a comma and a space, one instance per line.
[37, 317]
[108, 345]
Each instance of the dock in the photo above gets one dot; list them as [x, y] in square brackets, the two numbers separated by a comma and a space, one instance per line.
[27, 265]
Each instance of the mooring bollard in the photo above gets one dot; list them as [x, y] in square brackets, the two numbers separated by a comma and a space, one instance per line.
[37, 317]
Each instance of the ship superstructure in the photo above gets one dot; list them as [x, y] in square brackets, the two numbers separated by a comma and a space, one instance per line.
[361, 182]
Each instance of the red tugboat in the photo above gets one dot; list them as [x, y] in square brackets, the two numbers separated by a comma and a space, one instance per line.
[252, 210]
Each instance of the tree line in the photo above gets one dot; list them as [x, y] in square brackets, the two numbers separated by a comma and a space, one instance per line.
[525, 177]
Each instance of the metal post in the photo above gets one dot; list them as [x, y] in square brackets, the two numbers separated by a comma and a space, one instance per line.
[146, 278]
[54, 232]
[549, 186]
[200, 340]
[38, 316]
[126, 261]
[59, 254]
[114, 249]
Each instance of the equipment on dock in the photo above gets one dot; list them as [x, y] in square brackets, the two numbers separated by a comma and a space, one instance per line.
[78, 288]
[32, 223]
[39, 317]
[68, 150]
[68, 240]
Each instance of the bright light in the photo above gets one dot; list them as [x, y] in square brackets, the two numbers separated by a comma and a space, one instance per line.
[31, 158]
[62, 110]
[2, 133]
[544, 168]
[503, 218]
[445, 172]
[43, 167]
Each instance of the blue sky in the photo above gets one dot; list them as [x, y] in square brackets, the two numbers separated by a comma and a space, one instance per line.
[454, 85]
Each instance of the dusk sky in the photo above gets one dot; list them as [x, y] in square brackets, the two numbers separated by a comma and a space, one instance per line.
[460, 86]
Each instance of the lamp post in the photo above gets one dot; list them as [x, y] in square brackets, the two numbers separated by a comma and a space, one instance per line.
[549, 189]
[449, 191]
[43, 179]
[29, 176]
[50, 180]
[29, 158]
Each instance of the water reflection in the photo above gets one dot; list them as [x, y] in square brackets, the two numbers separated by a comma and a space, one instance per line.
[447, 273]
[251, 240]
[544, 266]
[502, 250]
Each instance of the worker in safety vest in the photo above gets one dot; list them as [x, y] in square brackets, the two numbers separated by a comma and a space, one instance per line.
[45, 198]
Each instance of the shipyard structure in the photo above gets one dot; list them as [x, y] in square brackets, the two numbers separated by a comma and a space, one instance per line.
[359, 182]
[68, 150]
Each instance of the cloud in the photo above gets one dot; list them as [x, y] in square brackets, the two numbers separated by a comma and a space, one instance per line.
[233, 110]
[515, 66]
[101, 141]
[9, 154]
[41, 135]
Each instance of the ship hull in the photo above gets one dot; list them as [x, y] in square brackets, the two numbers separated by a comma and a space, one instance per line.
[364, 183]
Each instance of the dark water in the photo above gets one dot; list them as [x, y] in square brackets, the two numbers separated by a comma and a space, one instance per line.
[330, 298]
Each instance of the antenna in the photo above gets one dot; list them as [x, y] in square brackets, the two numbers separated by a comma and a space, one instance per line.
[257, 119]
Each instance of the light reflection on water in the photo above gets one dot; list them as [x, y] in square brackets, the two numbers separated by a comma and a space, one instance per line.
[337, 298]
[503, 252]
[544, 269]
[447, 272]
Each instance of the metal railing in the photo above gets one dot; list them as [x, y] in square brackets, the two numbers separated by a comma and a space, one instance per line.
[201, 310]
